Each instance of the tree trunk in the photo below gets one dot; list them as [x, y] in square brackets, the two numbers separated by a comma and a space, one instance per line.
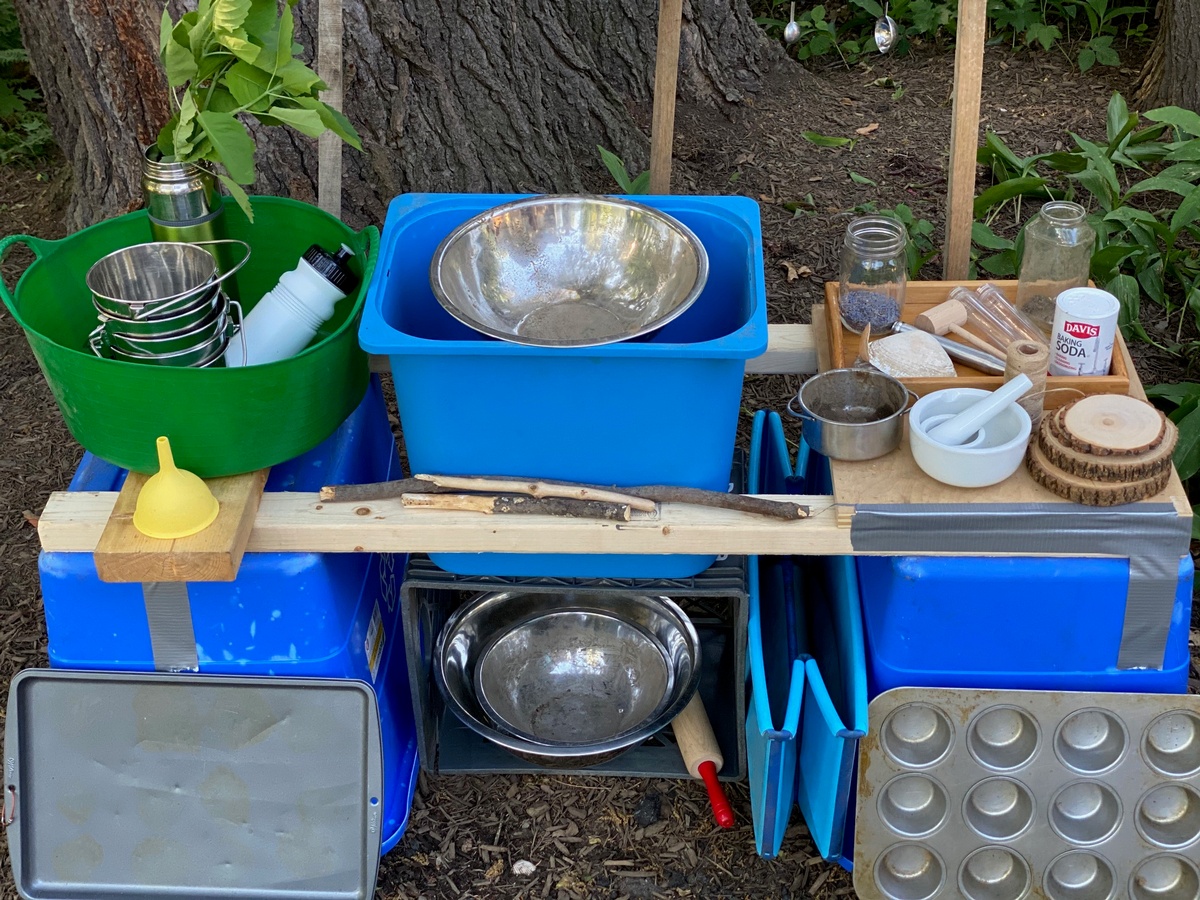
[1171, 76]
[484, 95]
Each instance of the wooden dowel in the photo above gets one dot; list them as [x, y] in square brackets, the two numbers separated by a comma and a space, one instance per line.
[964, 137]
[666, 76]
[329, 67]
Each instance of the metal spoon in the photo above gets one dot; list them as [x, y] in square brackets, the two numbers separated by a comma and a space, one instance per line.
[791, 31]
[886, 32]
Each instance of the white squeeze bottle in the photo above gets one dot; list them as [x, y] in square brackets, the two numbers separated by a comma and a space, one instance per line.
[285, 320]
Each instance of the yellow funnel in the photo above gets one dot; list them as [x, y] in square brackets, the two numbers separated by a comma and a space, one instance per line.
[173, 503]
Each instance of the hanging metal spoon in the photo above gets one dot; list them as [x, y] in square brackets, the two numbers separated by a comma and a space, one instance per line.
[791, 31]
[886, 32]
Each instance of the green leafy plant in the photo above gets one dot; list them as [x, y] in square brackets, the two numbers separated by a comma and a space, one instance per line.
[1181, 402]
[24, 130]
[232, 58]
[616, 167]
[921, 248]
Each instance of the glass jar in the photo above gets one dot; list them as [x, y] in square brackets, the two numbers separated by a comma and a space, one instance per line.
[1057, 256]
[874, 273]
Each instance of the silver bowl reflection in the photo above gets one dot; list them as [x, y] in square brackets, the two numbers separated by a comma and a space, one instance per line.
[568, 271]
[570, 679]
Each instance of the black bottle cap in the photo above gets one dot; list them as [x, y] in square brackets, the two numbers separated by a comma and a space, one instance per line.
[332, 267]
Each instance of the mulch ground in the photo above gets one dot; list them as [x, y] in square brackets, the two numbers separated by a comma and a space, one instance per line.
[626, 838]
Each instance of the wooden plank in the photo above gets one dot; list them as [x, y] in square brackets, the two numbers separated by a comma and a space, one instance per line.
[666, 75]
[329, 67]
[791, 350]
[964, 136]
[922, 295]
[124, 554]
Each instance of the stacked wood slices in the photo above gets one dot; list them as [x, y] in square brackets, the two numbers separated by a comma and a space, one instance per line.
[1103, 450]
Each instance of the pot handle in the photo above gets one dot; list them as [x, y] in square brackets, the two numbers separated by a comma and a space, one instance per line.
[802, 416]
[913, 397]
[39, 246]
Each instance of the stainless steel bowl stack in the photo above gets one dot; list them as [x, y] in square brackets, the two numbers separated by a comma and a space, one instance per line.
[568, 271]
[161, 303]
[568, 680]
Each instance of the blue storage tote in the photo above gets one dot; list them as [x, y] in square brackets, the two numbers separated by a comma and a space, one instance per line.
[808, 692]
[661, 409]
[1019, 623]
[290, 614]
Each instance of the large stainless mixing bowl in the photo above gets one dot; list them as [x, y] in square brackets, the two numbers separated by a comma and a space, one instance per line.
[568, 271]
[567, 680]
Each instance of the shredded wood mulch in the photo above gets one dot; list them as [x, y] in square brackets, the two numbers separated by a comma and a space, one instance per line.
[563, 837]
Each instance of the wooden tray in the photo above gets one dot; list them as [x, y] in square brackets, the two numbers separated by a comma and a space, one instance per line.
[920, 296]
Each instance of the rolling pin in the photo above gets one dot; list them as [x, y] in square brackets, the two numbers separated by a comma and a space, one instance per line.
[950, 317]
[702, 756]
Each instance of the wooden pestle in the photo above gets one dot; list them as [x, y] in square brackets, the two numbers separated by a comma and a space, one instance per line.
[949, 317]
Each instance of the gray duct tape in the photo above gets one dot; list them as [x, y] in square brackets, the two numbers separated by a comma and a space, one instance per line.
[1152, 535]
[169, 616]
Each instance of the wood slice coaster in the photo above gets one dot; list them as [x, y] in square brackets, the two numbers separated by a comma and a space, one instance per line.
[1110, 469]
[1110, 425]
[1089, 493]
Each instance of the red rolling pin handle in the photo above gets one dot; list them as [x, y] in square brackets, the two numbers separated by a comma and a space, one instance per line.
[702, 756]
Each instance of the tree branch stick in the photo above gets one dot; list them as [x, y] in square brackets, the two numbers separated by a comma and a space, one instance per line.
[518, 505]
[536, 488]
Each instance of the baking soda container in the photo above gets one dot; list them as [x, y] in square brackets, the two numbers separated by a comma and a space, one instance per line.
[1085, 328]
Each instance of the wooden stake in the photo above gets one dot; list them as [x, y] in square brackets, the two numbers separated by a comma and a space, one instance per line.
[964, 137]
[666, 75]
[329, 67]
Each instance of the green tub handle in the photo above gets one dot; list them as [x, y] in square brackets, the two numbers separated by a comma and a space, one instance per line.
[39, 246]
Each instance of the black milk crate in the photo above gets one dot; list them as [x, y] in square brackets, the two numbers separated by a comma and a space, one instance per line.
[715, 600]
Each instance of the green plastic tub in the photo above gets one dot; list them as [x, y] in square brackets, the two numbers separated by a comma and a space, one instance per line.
[221, 421]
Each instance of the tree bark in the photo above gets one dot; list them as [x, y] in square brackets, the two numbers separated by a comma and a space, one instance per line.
[483, 95]
[1170, 76]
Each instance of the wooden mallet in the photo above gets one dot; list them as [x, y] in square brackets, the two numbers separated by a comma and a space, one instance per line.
[948, 318]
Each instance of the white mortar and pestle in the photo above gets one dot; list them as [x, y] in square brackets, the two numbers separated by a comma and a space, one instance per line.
[968, 437]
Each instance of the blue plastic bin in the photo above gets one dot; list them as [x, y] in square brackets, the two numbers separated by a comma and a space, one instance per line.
[1018, 623]
[808, 690]
[288, 614]
[657, 410]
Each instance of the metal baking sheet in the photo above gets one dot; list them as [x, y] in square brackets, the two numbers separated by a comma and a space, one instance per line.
[1006, 795]
[192, 786]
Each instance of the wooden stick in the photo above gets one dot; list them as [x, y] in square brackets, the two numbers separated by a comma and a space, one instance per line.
[501, 503]
[978, 342]
[659, 493]
[534, 488]
[964, 136]
[666, 75]
[329, 67]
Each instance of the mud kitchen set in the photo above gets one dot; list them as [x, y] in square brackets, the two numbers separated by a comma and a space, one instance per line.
[951, 626]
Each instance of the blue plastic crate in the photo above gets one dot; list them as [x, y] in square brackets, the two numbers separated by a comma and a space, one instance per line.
[1018, 623]
[808, 694]
[656, 410]
[288, 614]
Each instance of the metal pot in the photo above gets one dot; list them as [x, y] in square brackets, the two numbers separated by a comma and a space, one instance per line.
[203, 310]
[215, 323]
[852, 414]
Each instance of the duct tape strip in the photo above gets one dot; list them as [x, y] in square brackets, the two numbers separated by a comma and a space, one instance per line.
[1153, 536]
[169, 616]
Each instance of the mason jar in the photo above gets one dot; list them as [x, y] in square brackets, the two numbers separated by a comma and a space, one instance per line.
[874, 273]
[1057, 256]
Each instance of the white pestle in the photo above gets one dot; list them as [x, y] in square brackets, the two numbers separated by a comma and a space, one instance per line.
[970, 420]
[934, 421]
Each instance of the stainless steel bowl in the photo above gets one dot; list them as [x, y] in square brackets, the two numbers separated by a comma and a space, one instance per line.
[851, 414]
[542, 662]
[568, 271]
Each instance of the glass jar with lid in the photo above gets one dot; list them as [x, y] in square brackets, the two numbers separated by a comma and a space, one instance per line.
[874, 273]
[1057, 256]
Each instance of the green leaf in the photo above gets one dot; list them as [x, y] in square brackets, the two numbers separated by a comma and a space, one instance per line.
[220, 100]
[860, 179]
[1005, 191]
[165, 27]
[249, 86]
[166, 137]
[184, 139]
[238, 44]
[824, 140]
[297, 77]
[232, 146]
[985, 237]
[306, 121]
[283, 47]
[1151, 281]
[1185, 171]
[229, 15]
[1185, 151]
[1175, 393]
[1001, 265]
[1065, 161]
[1044, 34]
[1086, 59]
[239, 195]
[616, 168]
[180, 64]
[1187, 449]
[1118, 120]
[1106, 260]
[1125, 288]
[260, 18]
[340, 125]
[641, 184]
[1162, 183]
[1185, 120]
[1187, 212]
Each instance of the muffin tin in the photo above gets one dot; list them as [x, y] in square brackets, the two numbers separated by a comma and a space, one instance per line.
[1004, 795]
